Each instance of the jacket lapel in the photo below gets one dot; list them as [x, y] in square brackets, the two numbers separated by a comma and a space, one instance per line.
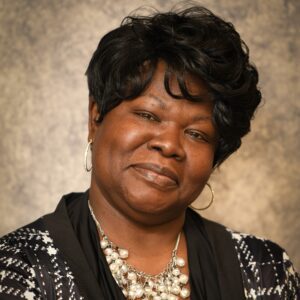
[228, 268]
[60, 228]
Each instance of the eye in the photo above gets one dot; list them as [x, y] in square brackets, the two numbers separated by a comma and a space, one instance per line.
[147, 115]
[197, 135]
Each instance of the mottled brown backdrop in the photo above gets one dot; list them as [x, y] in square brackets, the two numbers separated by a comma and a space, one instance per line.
[44, 50]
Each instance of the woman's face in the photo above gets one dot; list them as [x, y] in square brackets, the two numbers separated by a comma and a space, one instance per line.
[153, 155]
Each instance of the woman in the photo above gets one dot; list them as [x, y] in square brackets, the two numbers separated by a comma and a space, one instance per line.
[171, 96]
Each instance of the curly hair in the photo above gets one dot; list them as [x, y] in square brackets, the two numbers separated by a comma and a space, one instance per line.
[193, 41]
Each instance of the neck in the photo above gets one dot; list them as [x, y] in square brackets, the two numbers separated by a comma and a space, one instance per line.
[140, 239]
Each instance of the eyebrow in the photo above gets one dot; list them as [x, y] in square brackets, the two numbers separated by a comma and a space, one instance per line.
[163, 106]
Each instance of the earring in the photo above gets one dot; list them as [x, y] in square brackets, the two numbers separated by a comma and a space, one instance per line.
[87, 149]
[210, 202]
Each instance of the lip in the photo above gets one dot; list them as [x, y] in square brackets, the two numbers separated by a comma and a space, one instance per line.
[162, 171]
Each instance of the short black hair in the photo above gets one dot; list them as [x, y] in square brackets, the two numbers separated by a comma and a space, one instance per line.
[192, 40]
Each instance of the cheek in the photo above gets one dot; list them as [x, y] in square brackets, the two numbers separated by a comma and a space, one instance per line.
[116, 144]
[197, 172]
[200, 159]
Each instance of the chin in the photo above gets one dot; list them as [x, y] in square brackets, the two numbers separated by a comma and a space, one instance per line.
[156, 208]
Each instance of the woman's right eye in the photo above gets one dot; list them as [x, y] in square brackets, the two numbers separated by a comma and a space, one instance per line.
[147, 115]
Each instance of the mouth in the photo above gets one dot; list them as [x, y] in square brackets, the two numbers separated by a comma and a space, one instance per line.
[156, 174]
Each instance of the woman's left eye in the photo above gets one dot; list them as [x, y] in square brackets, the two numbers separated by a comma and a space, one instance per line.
[197, 135]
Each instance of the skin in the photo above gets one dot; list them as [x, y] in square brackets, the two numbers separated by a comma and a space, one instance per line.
[140, 206]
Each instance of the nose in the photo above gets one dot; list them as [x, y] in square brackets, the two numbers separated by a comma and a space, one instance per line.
[168, 143]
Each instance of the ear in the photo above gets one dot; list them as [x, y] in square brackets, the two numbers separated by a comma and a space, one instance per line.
[93, 117]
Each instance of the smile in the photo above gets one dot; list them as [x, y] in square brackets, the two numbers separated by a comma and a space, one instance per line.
[160, 176]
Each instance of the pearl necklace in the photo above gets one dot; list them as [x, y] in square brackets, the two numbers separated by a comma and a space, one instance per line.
[167, 285]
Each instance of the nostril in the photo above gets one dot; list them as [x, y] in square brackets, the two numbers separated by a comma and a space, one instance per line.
[157, 148]
[165, 151]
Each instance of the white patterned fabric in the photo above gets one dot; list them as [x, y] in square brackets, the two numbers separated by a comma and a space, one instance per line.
[266, 269]
[31, 268]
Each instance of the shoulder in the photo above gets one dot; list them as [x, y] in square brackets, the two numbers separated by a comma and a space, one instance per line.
[30, 264]
[266, 268]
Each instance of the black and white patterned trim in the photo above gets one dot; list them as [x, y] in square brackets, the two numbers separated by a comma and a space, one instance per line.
[30, 268]
[267, 271]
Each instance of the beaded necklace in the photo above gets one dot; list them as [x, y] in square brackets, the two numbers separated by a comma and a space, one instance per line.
[135, 284]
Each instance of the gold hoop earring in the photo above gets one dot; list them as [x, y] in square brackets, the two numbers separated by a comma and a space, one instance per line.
[87, 149]
[210, 202]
